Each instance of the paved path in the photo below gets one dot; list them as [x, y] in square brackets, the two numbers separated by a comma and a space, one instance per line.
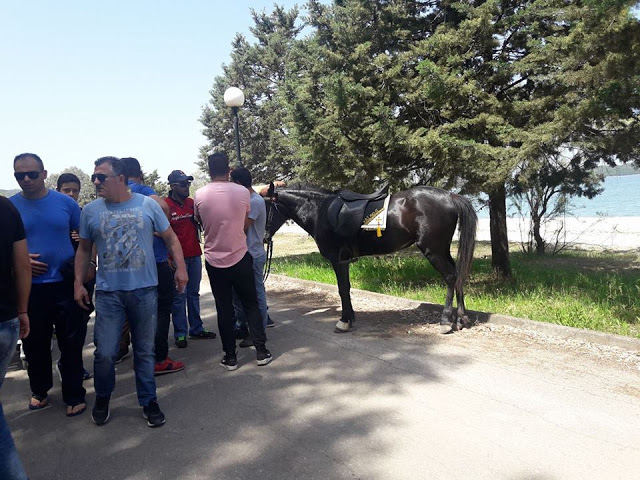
[372, 404]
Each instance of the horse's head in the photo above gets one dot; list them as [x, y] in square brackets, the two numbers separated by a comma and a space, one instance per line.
[276, 214]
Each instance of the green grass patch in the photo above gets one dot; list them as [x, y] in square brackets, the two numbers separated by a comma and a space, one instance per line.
[593, 290]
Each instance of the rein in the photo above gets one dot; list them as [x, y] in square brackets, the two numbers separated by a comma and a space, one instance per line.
[268, 240]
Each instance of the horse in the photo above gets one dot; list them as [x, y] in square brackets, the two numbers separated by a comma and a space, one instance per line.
[424, 216]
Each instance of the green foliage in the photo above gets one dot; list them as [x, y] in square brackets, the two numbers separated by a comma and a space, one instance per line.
[153, 180]
[260, 70]
[87, 189]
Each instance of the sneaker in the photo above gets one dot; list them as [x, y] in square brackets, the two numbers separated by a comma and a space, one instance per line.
[153, 415]
[181, 342]
[100, 412]
[230, 362]
[270, 323]
[203, 334]
[168, 366]
[264, 357]
[122, 354]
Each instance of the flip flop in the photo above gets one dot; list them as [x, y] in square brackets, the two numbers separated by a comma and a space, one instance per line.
[79, 412]
[42, 402]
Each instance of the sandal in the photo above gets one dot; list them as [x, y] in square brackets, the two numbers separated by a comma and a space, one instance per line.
[72, 412]
[38, 403]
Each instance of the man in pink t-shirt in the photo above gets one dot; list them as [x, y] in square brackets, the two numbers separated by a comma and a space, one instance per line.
[223, 208]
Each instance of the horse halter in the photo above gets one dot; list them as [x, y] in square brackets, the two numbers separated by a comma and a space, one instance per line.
[268, 239]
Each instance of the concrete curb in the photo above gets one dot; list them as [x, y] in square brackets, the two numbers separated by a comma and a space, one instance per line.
[560, 331]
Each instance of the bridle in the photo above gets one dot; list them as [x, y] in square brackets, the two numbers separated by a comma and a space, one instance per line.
[268, 239]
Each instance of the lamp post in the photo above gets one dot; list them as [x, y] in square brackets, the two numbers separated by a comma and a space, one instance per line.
[234, 98]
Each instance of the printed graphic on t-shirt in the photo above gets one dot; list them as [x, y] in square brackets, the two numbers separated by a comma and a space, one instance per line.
[120, 230]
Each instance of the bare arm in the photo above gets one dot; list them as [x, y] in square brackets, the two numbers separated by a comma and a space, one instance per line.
[22, 273]
[247, 223]
[163, 205]
[175, 250]
[83, 255]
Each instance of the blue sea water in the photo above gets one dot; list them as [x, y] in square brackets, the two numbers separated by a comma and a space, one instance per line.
[620, 198]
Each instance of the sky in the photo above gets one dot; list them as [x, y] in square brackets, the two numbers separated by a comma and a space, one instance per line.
[81, 80]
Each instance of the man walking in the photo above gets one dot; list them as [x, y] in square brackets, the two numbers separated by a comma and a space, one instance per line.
[185, 226]
[223, 208]
[15, 284]
[122, 225]
[48, 218]
[164, 364]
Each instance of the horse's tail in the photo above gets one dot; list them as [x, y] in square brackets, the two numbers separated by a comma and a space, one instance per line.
[468, 222]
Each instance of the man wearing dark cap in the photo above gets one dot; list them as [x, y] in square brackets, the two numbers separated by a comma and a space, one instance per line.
[186, 305]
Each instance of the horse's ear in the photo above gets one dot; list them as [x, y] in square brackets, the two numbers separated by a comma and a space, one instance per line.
[271, 191]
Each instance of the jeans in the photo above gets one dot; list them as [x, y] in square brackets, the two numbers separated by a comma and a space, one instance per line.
[165, 300]
[188, 301]
[140, 308]
[241, 319]
[52, 304]
[238, 278]
[10, 464]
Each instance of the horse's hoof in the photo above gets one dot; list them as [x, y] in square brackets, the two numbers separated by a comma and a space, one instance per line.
[446, 328]
[341, 327]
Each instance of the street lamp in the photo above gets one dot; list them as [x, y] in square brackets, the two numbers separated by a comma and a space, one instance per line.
[234, 98]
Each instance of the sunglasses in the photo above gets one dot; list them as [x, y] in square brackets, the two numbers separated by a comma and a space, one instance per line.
[32, 175]
[101, 177]
[182, 184]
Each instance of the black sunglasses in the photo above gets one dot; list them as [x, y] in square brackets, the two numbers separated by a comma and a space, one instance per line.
[32, 175]
[101, 177]
[183, 184]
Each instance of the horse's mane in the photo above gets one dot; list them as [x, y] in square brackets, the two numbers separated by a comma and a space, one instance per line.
[307, 187]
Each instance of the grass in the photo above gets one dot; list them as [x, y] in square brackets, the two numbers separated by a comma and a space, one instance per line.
[584, 289]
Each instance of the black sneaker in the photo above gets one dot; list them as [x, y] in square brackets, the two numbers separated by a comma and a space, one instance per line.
[181, 342]
[153, 415]
[100, 412]
[270, 323]
[246, 342]
[122, 354]
[230, 362]
[264, 357]
[203, 334]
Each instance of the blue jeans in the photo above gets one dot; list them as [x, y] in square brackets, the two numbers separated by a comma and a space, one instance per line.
[140, 308]
[188, 301]
[261, 294]
[10, 464]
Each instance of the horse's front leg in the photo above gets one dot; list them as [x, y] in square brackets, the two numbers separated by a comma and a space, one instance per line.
[344, 289]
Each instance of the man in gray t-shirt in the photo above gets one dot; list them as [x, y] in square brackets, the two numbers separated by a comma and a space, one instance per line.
[122, 226]
[255, 235]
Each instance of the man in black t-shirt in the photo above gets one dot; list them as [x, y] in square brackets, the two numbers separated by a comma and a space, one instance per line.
[15, 285]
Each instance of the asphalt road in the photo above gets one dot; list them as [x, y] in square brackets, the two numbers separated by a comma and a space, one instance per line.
[392, 400]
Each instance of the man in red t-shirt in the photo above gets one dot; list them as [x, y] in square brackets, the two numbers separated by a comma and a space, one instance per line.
[184, 224]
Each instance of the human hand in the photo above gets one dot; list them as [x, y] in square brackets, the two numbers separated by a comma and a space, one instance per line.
[37, 268]
[24, 324]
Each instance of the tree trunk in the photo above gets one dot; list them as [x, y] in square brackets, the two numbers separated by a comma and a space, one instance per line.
[498, 228]
[540, 245]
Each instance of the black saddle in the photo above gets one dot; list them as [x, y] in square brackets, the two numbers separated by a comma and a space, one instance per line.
[347, 211]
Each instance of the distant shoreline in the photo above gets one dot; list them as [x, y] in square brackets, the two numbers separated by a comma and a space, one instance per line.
[610, 233]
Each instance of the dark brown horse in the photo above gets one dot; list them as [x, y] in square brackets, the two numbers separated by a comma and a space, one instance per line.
[424, 216]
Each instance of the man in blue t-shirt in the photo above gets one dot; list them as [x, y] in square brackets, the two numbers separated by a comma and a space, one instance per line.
[164, 364]
[122, 225]
[48, 217]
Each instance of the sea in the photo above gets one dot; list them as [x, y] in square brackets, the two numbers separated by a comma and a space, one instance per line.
[620, 198]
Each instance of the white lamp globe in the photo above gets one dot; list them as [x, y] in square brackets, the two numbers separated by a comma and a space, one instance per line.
[233, 97]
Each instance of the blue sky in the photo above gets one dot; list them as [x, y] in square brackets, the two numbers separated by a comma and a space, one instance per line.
[81, 80]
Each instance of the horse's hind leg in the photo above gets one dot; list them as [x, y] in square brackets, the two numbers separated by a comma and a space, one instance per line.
[462, 312]
[444, 264]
